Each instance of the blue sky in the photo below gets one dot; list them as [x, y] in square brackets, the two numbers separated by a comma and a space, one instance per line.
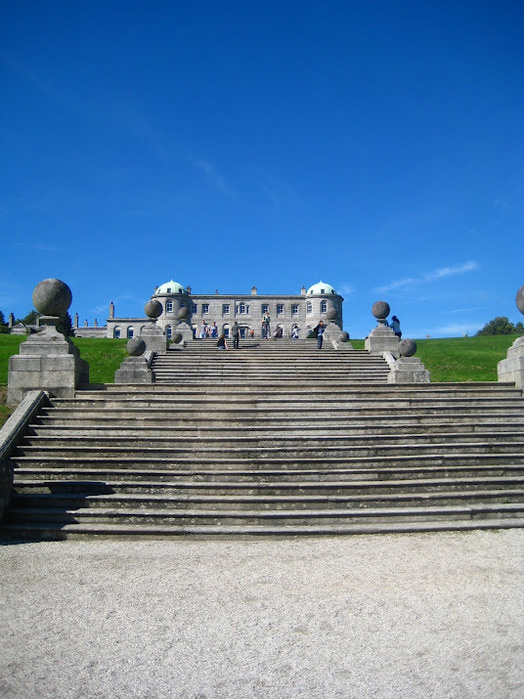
[375, 145]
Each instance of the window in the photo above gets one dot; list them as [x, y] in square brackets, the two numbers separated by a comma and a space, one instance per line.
[309, 307]
[243, 308]
[265, 308]
[169, 332]
[225, 309]
[169, 306]
[194, 309]
[323, 306]
[294, 309]
[205, 308]
[130, 333]
[280, 309]
[116, 332]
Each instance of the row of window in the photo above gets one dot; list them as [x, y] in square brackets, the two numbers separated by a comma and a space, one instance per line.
[243, 308]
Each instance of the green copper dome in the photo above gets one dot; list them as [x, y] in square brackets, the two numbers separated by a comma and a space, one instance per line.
[170, 288]
[321, 288]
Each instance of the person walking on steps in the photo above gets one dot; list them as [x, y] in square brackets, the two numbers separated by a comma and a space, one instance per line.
[266, 320]
[235, 331]
[319, 332]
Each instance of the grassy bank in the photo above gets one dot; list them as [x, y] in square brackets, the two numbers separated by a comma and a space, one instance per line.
[450, 359]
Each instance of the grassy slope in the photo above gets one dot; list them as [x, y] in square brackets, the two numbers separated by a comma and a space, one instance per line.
[451, 359]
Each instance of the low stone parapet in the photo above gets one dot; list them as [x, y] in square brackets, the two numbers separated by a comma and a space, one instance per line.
[10, 435]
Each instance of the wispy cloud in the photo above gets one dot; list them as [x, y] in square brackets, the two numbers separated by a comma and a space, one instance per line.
[433, 275]
[213, 176]
[43, 86]
[346, 289]
[279, 194]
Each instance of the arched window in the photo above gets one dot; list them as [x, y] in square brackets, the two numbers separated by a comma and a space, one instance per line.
[323, 306]
[130, 333]
[169, 332]
[169, 306]
[116, 333]
[309, 307]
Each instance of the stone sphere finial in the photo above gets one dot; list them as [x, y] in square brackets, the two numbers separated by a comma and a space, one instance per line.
[343, 337]
[407, 347]
[331, 314]
[52, 297]
[177, 338]
[183, 313]
[136, 347]
[380, 310]
[520, 299]
[153, 309]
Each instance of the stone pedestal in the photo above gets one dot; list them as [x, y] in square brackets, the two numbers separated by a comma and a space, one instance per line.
[333, 334]
[382, 339]
[47, 361]
[185, 330]
[408, 370]
[155, 339]
[134, 370]
[511, 369]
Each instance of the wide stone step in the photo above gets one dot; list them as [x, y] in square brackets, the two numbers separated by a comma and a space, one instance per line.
[48, 532]
[154, 448]
[274, 429]
[104, 461]
[301, 517]
[339, 488]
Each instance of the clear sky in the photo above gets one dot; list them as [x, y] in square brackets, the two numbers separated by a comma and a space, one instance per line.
[376, 145]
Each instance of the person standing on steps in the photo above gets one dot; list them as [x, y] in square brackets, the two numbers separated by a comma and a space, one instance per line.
[266, 319]
[235, 331]
[222, 342]
[319, 332]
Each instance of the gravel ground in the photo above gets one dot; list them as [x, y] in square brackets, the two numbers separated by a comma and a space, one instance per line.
[420, 615]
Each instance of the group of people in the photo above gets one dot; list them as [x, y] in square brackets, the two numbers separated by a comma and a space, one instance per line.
[234, 333]
[318, 331]
[206, 330]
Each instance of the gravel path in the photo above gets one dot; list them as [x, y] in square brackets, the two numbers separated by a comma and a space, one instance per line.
[421, 615]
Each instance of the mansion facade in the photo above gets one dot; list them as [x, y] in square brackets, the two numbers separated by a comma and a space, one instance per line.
[294, 314]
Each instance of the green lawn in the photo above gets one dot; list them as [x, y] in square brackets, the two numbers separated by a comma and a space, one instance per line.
[451, 359]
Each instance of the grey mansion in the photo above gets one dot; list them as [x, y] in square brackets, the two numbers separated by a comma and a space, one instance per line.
[298, 314]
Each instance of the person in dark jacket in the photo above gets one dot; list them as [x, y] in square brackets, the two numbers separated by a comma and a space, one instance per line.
[319, 332]
[395, 326]
[235, 332]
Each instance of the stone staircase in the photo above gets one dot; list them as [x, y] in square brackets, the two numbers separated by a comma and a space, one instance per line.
[277, 438]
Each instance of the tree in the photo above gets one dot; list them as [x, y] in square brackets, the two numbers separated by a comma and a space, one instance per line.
[3, 324]
[499, 326]
[65, 325]
[30, 319]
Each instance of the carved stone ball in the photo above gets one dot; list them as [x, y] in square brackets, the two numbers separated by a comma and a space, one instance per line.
[343, 337]
[153, 309]
[136, 347]
[407, 348]
[520, 299]
[380, 310]
[183, 313]
[331, 314]
[52, 297]
[177, 337]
